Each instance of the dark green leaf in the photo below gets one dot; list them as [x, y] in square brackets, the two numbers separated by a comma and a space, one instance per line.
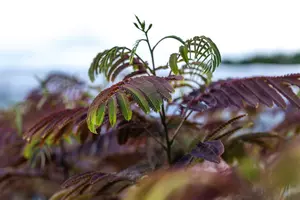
[136, 26]
[150, 26]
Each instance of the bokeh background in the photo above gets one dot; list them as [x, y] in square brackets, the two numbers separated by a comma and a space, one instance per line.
[257, 37]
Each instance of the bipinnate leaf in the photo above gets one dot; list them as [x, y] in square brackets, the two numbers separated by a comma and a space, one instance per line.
[53, 127]
[197, 60]
[138, 97]
[217, 133]
[147, 91]
[266, 90]
[202, 54]
[93, 184]
[112, 62]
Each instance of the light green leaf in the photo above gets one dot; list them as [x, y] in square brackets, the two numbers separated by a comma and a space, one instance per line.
[173, 63]
[96, 118]
[112, 110]
[124, 106]
[100, 115]
[184, 53]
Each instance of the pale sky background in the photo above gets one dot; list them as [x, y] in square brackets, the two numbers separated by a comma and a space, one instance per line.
[37, 33]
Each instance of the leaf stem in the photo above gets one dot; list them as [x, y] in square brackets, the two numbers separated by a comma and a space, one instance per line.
[167, 37]
[157, 140]
[151, 53]
[179, 126]
[168, 142]
[162, 113]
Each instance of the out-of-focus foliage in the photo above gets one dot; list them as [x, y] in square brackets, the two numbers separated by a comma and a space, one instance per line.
[219, 141]
[278, 58]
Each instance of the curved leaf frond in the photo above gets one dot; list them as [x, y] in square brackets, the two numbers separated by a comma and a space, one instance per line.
[113, 61]
[253, 91]
[200, 57]
[92, 184]
[57, 124]
[147, 91]
[200, 53]
[203, 53]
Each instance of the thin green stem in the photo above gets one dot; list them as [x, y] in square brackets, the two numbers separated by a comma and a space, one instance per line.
[179, 126]
[169, 37]
[151, 53]
[162, 113]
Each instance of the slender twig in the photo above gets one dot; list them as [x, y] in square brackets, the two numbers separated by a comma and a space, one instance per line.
[162, 113]
[63, 162]
[157, 140]
[170, 36]
[163, 121]
[179, 126]
[151, 53]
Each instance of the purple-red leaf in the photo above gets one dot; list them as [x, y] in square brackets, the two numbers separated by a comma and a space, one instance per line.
[247, 91]
[211, 150]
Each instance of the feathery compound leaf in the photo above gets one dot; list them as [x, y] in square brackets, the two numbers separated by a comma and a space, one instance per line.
[151, 93]
[124, 105]
[202, 53]
[93, 184]
[251, 91]
[138, 97]
[113, 61]
[55, 125]
[199, 57]
[217, 131]
[147, 91]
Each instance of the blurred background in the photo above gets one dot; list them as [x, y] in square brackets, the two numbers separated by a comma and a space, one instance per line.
[256, 37]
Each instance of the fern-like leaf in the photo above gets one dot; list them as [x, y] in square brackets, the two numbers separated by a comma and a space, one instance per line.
[54, 126]
[147, 91]
[247, 91]
[200, 57]
[113, 61]
[201, 53]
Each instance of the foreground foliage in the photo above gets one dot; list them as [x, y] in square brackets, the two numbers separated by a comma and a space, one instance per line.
[133, 141]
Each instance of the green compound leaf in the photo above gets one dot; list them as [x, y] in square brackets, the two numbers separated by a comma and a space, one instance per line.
[147, 91]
